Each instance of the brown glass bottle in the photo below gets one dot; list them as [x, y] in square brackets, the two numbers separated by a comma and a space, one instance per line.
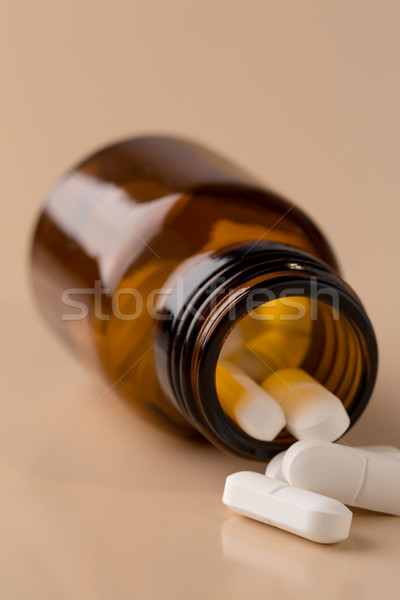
[146, 256]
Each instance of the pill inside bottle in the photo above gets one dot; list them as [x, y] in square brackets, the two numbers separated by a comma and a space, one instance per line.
[281, 375]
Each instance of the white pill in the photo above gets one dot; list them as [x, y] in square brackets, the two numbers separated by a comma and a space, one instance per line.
[274, 467]
[352, 475]
[292, 509]
[275, 471]
[312, 411]
[247, 404]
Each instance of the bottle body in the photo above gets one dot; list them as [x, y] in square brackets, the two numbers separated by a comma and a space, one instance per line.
[128, 240]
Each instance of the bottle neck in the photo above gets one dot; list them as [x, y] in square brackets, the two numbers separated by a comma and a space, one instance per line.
[217, 291]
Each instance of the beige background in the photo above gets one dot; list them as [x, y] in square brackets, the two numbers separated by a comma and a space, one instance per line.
[94, 503]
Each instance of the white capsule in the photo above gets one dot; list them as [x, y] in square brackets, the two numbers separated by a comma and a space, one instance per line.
[292, 509]
[312, 411]
[246, 403]
[274, 467]
[354, 476]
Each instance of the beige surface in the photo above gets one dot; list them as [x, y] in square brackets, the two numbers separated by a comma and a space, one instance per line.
[94, 503]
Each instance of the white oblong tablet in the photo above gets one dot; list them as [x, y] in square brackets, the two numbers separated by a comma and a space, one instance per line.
[274, 467]
[247, 404]
[312, 411]
[292, 509]
[353, 476]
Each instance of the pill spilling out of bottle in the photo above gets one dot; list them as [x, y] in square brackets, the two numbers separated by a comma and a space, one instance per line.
[305, 488]
[262, 388]
[297, 510]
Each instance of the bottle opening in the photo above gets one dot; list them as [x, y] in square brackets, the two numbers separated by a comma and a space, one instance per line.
[285, 340]
[253, 316]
